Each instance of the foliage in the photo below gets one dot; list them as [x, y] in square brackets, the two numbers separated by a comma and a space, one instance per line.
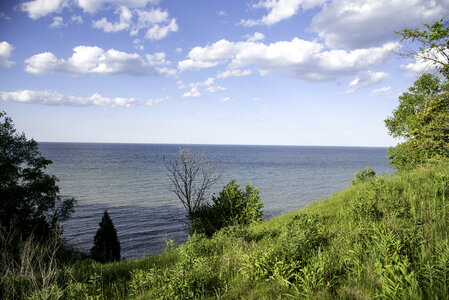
[386, 238]
[233, 206]
[30, 203]
[422, 119]
[191, 176]
[363, 176]
[106, 244]
[433, 43]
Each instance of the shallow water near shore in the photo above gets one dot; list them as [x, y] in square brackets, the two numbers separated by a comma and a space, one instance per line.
[130, 181]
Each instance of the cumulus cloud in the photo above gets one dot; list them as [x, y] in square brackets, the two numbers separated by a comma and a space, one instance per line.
[364, 23]
[382, 90]
[225, 99]
[87, 59]
[215, 89]
[40, 8]
[152, 102]
[234, 73]
[425, 62]
[298, 58]
[77, 19]
[158, 32]
[57, 22]
[5, 54]
[124, 23]
[195, 86]
[366, 79]
[280, 10]
[92, 6]
[54, 98]
[257, 36]
[193, 93]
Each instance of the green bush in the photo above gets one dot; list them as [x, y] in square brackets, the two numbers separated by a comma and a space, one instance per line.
[233, 206]
[363, 176]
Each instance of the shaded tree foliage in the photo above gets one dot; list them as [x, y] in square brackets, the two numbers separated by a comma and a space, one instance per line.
[233, 206]
[106, 244]
[30, 202]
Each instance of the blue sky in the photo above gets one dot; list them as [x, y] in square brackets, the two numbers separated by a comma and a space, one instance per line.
[268, 72]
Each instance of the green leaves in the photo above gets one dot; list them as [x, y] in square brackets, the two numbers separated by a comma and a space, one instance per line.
[29, 198]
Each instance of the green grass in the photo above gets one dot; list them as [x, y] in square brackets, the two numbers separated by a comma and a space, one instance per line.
[386, 238]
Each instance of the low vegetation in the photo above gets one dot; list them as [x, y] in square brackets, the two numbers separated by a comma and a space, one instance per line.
[386, 237]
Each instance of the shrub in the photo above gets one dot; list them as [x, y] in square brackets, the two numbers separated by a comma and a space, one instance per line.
[106, 245]
[233, 206]
[363, 176]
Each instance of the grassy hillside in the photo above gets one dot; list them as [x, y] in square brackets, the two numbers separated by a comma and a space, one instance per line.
[385, 238]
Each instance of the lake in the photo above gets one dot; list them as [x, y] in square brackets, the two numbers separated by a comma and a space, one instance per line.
[130, 181]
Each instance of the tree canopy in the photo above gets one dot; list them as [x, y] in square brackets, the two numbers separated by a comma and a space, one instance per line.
[421, 119]
[30, 202]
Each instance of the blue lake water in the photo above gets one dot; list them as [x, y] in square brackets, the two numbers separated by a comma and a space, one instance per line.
[130, 181]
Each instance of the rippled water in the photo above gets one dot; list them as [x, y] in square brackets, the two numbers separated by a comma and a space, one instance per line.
[130, 180]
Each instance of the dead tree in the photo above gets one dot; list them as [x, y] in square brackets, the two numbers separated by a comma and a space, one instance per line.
[191, 176]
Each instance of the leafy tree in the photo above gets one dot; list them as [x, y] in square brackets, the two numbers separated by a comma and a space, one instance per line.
[421, 119]
[106, 244]
[30, 202]
[233, 206]
[433, 43]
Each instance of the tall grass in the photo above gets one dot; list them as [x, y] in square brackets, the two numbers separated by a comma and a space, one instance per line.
[384, 237]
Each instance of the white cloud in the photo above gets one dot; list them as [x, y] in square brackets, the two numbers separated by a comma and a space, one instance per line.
[365, 79]
[41, 8]
[365, 23]
[54, 98]
[158, 32]
[147, 18]
[225, 99]
[180, 84]
[280, 10]
[92, 6]
[194, 87]
[87, 59]
[424, 62]
[386, 89]
[222, 13]
[77, 19]
[152, 102]
[124, 23]
[157, 59]
[193, 93]
[215, 89]
[234, 73]
[137, 45]
[297, 58]
[178, 50]
[257, 36]
[57, 22]
[5, 54]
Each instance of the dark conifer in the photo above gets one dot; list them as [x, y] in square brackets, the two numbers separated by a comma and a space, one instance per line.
[106, 244]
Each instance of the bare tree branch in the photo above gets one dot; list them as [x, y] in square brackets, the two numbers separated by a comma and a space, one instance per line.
[191, 177]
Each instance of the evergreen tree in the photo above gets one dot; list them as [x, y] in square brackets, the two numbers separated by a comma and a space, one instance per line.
[106, 244]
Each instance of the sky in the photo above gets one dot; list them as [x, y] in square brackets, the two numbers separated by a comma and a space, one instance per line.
[257, 72]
